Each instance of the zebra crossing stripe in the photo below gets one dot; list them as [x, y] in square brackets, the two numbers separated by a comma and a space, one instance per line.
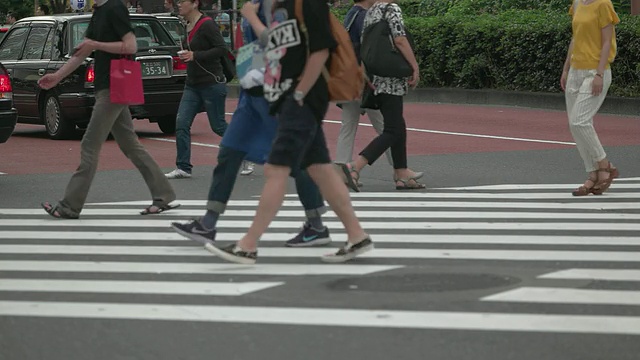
[364, 214]
[567, 296]
[595, 274]
[190, 268]
[479, 195]
[369, 225]
[338, 237]
[408, 204]
[136, 287]
[474, 321]
[380, 253]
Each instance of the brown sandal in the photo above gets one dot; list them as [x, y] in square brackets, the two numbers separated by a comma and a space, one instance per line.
[586, 190]
[603, 185]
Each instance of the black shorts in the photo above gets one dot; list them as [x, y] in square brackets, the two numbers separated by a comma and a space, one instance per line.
[300, 141]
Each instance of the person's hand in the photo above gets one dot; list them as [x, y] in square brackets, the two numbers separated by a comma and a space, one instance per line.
[414, 79]
[249, 8]
[596, 86]
[563, 80]
[186, 56]
[49, 81]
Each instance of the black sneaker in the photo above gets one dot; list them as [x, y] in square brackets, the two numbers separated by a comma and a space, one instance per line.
[233, 253]
[309, 236]
[349, 251]
[195, 231]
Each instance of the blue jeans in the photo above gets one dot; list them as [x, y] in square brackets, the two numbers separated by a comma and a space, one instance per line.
[212, 97]
[251, 132]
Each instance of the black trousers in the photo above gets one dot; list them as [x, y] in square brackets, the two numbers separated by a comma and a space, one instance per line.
[393, 136]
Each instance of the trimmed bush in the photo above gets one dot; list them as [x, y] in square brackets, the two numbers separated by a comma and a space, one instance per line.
[514, 50]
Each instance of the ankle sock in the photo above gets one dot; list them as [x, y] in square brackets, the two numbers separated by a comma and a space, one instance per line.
[210, 219]
[316, 222]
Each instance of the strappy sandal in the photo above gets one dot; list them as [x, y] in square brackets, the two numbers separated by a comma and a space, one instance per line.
[603, 185]
[586, 190]
[407, 184]
[56, 211]
[149, 210]
[351, 181]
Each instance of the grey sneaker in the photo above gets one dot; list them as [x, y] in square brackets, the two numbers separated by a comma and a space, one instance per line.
[247, 168]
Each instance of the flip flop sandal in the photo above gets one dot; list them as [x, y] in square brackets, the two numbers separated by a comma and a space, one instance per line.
[407, 186]
[56, 212]
[352, 183]
[160, 209]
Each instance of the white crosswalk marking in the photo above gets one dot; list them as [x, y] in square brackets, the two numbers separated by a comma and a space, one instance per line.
[566, 242]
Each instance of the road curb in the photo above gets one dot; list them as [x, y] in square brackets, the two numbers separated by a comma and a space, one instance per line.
[548, 101]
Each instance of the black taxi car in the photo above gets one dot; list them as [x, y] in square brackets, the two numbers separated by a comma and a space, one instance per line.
[39, 45]
[8, 113]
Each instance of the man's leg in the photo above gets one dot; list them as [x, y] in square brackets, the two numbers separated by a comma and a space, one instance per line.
[313, 232]
[124, 133]
[102, 119]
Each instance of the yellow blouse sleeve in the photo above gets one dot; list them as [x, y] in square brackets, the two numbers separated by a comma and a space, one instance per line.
[607, 15]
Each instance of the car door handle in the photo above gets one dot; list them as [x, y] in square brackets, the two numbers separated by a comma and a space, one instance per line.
[41, 72]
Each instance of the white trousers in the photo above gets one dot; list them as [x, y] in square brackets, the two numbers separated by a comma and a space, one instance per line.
[582, 106]
[347, 136]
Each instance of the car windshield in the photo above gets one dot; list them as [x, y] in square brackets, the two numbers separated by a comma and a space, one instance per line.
[175, 28]
[149, 33]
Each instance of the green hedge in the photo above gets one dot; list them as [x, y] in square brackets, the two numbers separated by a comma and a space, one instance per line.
[515, 50]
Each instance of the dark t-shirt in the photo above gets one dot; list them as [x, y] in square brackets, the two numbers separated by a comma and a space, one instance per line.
[109, 23]
[287, 53]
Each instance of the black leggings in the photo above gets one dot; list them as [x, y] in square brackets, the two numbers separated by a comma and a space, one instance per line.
[393, 136]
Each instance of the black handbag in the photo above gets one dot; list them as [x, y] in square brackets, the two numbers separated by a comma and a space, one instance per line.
[379, 54]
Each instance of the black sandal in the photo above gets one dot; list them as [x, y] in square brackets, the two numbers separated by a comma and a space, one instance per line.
[55, 212]
[160, 209]
[352, 183]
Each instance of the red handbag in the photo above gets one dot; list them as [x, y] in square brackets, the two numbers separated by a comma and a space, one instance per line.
[126, 81]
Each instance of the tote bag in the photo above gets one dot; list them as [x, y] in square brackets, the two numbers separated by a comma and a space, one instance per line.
[126, 81]
[379, 55]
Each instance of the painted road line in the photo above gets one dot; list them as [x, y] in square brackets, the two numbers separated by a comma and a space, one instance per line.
[567, 296]
[1, 173]
[581, 205]
[271, 252]
[496, 196]
[136, 287]
[190, 268]
[594, 274]
[474, 321]
[295, 225]
[193, 143]
[338, 237]
[361, 213]
[507, 187]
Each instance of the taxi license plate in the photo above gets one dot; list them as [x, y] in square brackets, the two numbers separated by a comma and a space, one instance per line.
[155, 69]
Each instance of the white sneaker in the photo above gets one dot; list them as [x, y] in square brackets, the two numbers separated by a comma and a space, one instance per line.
[178, 174]
[247, 168]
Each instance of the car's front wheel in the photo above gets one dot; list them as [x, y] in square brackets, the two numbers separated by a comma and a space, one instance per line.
[58, 128]
[167, 124]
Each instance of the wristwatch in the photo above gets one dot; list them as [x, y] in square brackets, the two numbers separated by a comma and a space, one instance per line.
[298, 95]
[598, 74]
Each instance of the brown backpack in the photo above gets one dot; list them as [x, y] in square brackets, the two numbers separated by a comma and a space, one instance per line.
[344, 77]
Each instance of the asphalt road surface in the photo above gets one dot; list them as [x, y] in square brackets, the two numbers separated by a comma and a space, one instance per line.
[494, 260]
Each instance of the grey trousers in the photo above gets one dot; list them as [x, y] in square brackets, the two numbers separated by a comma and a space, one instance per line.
[347, 136]
[115, 119]
[582, 106]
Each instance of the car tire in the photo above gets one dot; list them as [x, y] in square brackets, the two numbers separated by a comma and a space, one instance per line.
[167, 124]
[58, 128]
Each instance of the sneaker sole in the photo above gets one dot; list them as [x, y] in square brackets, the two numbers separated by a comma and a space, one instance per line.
[226, 256]
[340, 259]
[315, 242]
[194, 237]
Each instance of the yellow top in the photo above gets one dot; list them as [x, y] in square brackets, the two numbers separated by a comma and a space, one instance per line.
[588, 21]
